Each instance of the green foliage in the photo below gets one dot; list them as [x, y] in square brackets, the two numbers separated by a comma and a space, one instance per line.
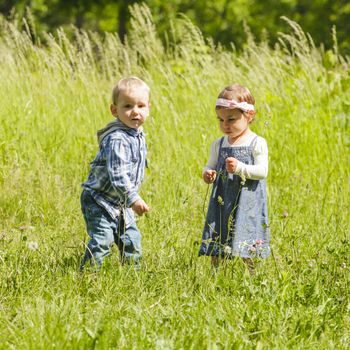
[55, 97]
[225, 21]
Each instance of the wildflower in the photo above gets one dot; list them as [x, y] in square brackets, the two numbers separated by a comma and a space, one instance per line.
[259, 242]
[24, 228]
[227, 250]
[220, 200]
[285, 214]
[32, 245]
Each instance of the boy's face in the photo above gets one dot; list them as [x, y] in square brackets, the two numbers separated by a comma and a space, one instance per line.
[132, 107]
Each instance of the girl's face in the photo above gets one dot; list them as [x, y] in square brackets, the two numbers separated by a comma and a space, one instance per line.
[233, 122]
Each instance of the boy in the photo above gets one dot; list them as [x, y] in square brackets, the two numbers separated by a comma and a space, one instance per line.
[110, 194]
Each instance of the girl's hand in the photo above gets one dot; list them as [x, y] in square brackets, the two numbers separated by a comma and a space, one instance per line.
[231, 164]
[209, 176]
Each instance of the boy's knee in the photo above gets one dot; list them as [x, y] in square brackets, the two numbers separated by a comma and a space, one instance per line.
[131, 242]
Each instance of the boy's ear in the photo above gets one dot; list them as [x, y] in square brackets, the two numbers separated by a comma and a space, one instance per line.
[113, 109]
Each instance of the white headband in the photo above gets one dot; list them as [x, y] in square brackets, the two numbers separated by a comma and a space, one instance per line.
[232, 104]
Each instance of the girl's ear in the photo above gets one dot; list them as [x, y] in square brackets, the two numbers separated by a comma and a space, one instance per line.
[113, 109]
[250, 115]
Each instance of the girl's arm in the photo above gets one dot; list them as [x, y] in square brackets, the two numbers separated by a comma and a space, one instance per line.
[213, 157]
[209, 172]
[259, 169]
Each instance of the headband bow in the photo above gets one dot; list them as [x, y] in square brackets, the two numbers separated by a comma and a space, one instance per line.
[232, 104]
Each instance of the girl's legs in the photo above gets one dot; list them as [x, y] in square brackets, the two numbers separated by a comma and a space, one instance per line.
[250, 265]
[215, 263]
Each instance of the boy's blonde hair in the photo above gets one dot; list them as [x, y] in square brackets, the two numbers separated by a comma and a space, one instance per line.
[237, 93]
[127, 84]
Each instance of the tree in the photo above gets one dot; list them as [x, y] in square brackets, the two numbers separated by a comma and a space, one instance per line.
[223, 20]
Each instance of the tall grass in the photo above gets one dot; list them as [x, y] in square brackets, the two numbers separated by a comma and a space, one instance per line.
[55, 95]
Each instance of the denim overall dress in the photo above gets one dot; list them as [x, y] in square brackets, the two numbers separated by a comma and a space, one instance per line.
[236, 222]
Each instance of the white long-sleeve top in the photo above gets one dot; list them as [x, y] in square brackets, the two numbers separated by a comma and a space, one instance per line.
[258, 170]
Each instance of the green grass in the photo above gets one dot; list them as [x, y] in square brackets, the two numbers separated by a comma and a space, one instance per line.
[54, 98]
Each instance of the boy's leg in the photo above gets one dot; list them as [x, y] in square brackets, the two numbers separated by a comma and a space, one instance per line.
[129, 244]
[100, 228]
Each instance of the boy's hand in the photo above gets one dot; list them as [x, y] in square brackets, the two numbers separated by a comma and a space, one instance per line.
[209, 176]
[140, 207]
[231, 164]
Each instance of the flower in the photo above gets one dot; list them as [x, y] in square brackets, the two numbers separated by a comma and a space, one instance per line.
[26, 228]
[220, 200]
[32, 245]
[227, 250]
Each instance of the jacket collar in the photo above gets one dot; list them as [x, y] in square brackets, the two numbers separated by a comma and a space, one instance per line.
[117, 125]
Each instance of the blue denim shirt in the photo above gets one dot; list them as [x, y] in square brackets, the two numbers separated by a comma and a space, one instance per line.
[118, 169]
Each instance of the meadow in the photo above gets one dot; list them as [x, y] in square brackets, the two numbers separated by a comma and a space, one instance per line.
[56, 94]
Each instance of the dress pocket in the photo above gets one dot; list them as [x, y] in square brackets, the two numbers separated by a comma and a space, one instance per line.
[247, 199]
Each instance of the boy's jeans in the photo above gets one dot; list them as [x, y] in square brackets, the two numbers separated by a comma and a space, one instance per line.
[104, 231]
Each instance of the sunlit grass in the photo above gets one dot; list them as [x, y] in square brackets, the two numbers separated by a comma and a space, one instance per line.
[54, 98]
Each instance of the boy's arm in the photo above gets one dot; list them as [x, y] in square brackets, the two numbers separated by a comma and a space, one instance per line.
[119, 164]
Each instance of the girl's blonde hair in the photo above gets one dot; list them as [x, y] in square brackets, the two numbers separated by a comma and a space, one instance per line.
[237, 93]
[129, 83]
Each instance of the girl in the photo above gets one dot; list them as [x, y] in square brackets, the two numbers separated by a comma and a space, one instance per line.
[236, 222]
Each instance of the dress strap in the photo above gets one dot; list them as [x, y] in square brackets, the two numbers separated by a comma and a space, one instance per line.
[221, 142]
[252, 144]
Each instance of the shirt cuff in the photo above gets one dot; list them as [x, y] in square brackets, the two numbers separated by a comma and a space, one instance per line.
[205, 169]
[132, 198]
[239, 168]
